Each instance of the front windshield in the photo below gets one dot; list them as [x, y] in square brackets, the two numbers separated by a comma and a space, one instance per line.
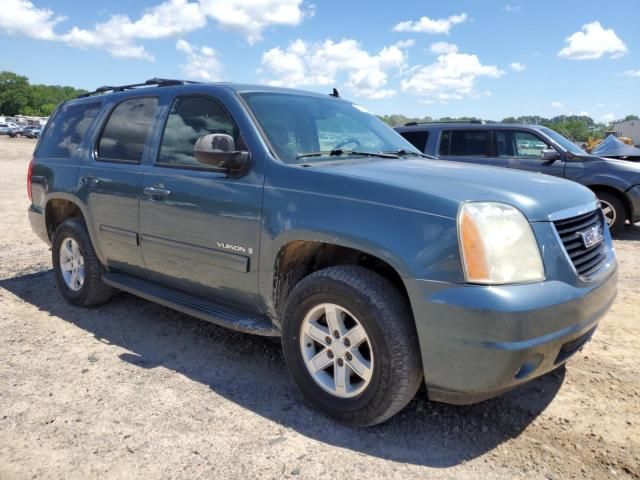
[563, 142]
[303, 129]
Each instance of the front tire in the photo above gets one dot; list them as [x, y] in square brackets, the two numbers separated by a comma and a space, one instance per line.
[77, 270]
[351, 346]
[614, 211]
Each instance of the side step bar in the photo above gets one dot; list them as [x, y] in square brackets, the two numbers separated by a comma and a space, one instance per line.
[197, 307]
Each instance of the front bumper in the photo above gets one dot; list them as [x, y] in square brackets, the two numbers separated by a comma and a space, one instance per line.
[633, 194]
[479, 341]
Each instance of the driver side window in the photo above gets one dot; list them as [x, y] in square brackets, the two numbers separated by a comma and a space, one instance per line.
[191, 117]
[519, 144]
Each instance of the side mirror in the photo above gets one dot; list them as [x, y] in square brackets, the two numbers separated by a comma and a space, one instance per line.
[218, 150]
[549, 155]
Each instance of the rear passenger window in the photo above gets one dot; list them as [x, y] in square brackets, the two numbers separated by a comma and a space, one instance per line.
[126, 131]
[191, 117]
[469, 143]
[66, 129]
[417, 139]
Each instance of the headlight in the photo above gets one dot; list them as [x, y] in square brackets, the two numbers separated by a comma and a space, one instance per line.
[497, 244]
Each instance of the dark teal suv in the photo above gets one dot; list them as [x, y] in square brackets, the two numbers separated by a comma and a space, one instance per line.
[302, 216]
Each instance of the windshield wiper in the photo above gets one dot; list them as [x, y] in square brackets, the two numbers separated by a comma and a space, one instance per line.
[338, 152]
[402, 152]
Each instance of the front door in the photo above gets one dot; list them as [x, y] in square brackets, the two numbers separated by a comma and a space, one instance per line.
[200, 229]
[523, 149]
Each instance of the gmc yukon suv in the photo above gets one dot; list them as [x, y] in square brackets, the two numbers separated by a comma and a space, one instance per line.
[302, 216]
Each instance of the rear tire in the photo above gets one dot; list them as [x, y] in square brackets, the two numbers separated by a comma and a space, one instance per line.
[387, 370]
[614, 211]
[77, 270]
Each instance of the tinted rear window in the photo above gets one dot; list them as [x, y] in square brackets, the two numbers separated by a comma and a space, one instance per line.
[417, 139]
[465, 143]
[66, 129]
[126, 131]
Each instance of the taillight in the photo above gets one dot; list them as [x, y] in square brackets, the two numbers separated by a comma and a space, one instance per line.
[29, 174]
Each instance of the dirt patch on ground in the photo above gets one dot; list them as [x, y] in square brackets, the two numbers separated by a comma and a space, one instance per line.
[132, 389]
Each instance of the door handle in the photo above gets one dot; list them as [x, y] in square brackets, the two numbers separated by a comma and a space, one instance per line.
[90, 181]
[156, 191]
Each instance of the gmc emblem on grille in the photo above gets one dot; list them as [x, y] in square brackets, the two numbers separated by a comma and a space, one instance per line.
[592, 236]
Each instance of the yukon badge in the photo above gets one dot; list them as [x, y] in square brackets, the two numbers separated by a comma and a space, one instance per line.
[234, 248]
[592, 236]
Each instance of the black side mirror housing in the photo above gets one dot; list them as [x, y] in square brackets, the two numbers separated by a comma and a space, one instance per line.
[549, 155]
[218, 150]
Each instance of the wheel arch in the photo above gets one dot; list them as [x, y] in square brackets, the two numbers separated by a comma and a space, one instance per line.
[618, 193]
[297, 256]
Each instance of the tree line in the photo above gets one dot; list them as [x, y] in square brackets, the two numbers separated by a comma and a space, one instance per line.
[577, 127]
[19, 97]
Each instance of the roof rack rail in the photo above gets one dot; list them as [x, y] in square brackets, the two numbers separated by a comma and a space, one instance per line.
[413, 124]
[158, 82]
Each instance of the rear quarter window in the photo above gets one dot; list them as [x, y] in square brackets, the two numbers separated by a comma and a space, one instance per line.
[66, 130]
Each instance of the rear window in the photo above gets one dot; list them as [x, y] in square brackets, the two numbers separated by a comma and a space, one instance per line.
[126, 131]
[67, 128]
[417, 139]
[464, 143]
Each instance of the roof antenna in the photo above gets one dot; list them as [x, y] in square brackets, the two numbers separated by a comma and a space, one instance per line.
[335, 93]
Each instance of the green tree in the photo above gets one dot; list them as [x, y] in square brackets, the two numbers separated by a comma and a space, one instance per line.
[17, 96]
[14, 93]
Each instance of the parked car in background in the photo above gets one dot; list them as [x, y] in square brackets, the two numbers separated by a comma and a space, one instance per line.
[5, 128]
[303, 216]
[32, 132]
[18, 131]
[534, 148]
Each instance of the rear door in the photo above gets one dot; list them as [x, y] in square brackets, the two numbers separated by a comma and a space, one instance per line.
[522, 149]
[201, 229]
[110, 180]
[469, 146]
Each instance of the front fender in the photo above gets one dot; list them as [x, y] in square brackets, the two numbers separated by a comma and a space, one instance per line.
[416, 244]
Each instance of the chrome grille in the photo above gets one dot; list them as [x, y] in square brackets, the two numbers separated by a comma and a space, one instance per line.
[586, 260]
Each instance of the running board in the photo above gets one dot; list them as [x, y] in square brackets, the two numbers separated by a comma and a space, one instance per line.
[185, 303]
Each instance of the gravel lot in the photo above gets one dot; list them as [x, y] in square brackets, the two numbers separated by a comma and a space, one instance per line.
[132, 389]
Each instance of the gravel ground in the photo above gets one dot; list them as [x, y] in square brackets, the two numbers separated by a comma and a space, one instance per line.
[132, 389]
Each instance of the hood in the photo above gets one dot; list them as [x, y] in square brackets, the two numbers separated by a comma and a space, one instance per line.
[439, 187]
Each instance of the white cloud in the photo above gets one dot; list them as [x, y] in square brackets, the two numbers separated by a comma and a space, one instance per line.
[443, 48]
[121, 36]
[429, 25]
[21, 17]
[608, 117]
[512, 8]
[406, 43]
[584, 114]
[202, 62]
[517, 66]
[252, 17]
[303, 63]
[557, 104]
[451, 77]
[593, 42]
[632, 73]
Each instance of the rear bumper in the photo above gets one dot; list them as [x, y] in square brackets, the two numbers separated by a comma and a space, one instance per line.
[633, 194]
[478, 342]
[38, 223]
